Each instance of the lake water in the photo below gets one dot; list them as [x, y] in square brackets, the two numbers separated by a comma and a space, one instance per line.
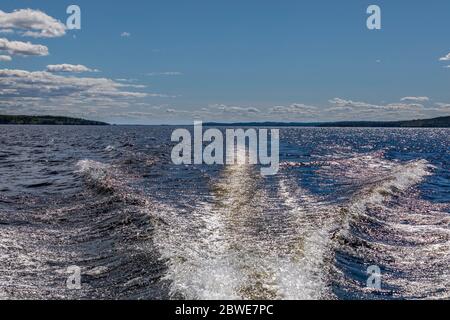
[109, 200]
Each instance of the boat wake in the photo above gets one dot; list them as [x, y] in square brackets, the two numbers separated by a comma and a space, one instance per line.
[252, 237]
[248, 242]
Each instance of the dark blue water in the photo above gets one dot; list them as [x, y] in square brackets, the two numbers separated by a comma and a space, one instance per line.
[109, 200]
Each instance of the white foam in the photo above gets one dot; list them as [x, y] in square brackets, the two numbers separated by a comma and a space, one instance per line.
[305, 274]
[401, 177]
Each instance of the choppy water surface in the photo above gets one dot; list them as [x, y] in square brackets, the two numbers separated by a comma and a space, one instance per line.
[108, 200]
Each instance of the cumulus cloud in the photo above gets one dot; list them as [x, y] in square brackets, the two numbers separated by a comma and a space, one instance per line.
[442, 107]
[126, 80]
[341, 109]
[135, 115]
[227, 113]
[22, 48]
[345, 104]
[418, 99]
[5, 58]
[295, 108]
[235, 109]
[125, 34]
[42, 83]
[349, 105]
[445, 58]
[44, 92]
[409, 108]
[7, 31]
[402, 106]
[167, 73]
[32, 23]
[78, 68]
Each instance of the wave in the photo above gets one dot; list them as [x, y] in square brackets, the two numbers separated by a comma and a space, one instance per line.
[387, 224]
[384, 222]
[114, 235]
[242, 242]
[311, 221]
[201, 248]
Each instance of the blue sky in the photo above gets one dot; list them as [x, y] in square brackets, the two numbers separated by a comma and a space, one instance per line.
[175, 61]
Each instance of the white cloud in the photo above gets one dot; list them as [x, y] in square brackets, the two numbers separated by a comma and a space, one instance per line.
[78, 68]
[445, 58]
[7, 31]
[235, 109]
[35, 92]
[349, 105]
[356, 110]
[39, 92]
[402, 107]
[417, 99]
[32, 23]
[343, 103]
[167, 73]
[125, 34]
[137, 115]
[5, 58]
[126, 80]
[48, 83]
[295, 108]
[22, 48]
[442, 107]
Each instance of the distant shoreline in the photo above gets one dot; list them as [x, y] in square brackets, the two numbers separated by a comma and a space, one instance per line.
[440, 122]
[47, 120]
